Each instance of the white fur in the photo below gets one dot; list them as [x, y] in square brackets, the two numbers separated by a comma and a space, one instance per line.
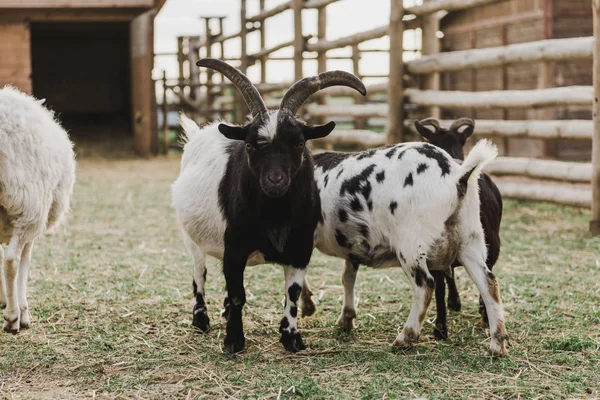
[269, 130]
[37, 173]
[416, 230]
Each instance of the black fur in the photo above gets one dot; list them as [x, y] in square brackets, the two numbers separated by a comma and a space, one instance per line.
[422, 168]
[380, 176]
[393, 206]
[430, 151]
[490, 214]
[409, 180]
[330, 160]
[353, 185]
[278, 221]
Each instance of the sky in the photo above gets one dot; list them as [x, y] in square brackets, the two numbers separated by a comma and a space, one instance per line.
[346, 17]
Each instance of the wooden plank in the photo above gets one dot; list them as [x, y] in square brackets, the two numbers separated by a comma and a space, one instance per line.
[595, 222]
[395, 116]
[430, 47]
[559, 193]
[446, 5]
[143, 99]
[543, 50]
[352, 138]
[351, 110]
[541, 169]
[15, 64]
[299, 43]
[271, 12]
[562, 96]
[318, 3]
[325, 45]
[8, 4]
[265, 52]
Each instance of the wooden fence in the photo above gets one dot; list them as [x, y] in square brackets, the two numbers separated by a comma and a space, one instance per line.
[522, 178]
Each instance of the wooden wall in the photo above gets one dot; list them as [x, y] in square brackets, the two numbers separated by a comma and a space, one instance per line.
[15, 61]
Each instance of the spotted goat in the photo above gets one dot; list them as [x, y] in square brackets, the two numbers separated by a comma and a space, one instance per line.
[247, 195]
[409, 205]
[452, 140]
[37, 174]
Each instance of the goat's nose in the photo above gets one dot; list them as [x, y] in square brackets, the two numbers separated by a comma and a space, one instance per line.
[275, 177]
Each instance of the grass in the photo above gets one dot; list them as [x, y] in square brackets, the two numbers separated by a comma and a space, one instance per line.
[111, 301]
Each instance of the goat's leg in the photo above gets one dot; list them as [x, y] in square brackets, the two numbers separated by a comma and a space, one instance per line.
[308, 305]
[22, 276]
[346, 319]
[290, 335]
[423, 286]
[453, 296]
[200, 313]
[234, 264]
[441, 324]
[472, 256]
[12, 313]
[2, 285]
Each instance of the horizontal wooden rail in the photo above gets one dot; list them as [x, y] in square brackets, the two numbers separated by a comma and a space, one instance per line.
[562, 96]
[353, 138]
[577, 195]
[266, 52]
[447, 5]
[271, 12]
[318, 3]
[558, 129]
[340, 91]
[543, 50]
[353, 110]
[541, 169]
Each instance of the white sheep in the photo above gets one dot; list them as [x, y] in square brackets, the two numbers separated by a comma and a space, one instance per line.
[37, 173]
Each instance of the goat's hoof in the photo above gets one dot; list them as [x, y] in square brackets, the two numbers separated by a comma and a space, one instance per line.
[440, 332]
[498, 351]
[308, 308]
[25, 319]
[292, 341]
[235, 344]
[2, 304]
[454, 305]
[201, 321]
[406, 339]
[346, 319]
[11, 325]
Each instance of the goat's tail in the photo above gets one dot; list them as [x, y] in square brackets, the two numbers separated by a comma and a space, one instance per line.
[190, 128]
[482, 153]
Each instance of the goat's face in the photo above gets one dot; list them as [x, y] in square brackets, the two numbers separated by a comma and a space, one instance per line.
[452, 140]
[276, 149]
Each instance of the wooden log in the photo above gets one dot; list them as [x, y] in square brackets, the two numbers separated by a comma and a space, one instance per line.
[165, 112]
[595, 222]
[241, 108]
[542, 50]
[261, 31]
[322, 56]
[447, 5]
[558, 129]
[431, 47]
[352, 138]
[353, 110]
[299, 42]
[559, 193]
[359, 123]
[395, 116]
[541, 169]
[325, 45]
[340, 91]
[319, 4]
[561, 96]
[265, 52]
[271, 12]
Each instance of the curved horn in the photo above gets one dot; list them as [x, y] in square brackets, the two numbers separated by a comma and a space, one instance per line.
[461, 122]
[304, 88]
[240, 81]
[431, 122]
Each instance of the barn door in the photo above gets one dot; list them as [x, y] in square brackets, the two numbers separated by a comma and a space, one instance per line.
[15, 62]
[143, 97]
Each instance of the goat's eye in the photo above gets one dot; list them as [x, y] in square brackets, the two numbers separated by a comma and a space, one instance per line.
[300, 145]
[248, 146]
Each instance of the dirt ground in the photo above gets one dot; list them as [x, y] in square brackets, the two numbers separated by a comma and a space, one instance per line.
[111, 298]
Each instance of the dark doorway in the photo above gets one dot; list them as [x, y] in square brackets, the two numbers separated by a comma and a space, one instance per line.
[83, 70]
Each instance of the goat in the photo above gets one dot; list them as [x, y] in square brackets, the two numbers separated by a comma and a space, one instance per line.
[247, 195]
[409, 205]
[452, 141]
[37, 173]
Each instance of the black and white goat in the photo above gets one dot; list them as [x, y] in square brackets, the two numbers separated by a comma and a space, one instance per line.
[247, 195]
[453, 140]
[409, 205]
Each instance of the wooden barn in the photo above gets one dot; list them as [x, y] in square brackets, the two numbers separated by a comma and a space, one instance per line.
[520, 21]
[91, 60]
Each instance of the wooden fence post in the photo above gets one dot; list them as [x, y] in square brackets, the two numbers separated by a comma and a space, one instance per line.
[240, 112]
[359, 123]
[261, 30]
[298, 39]
[395, 123]
[165, 112]
[595, 222]
[431, 45]
[209, 72]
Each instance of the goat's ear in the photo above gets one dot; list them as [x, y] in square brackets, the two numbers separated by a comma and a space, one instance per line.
[233, 132]
[424, 131]
[318, 131]
[467, 132]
